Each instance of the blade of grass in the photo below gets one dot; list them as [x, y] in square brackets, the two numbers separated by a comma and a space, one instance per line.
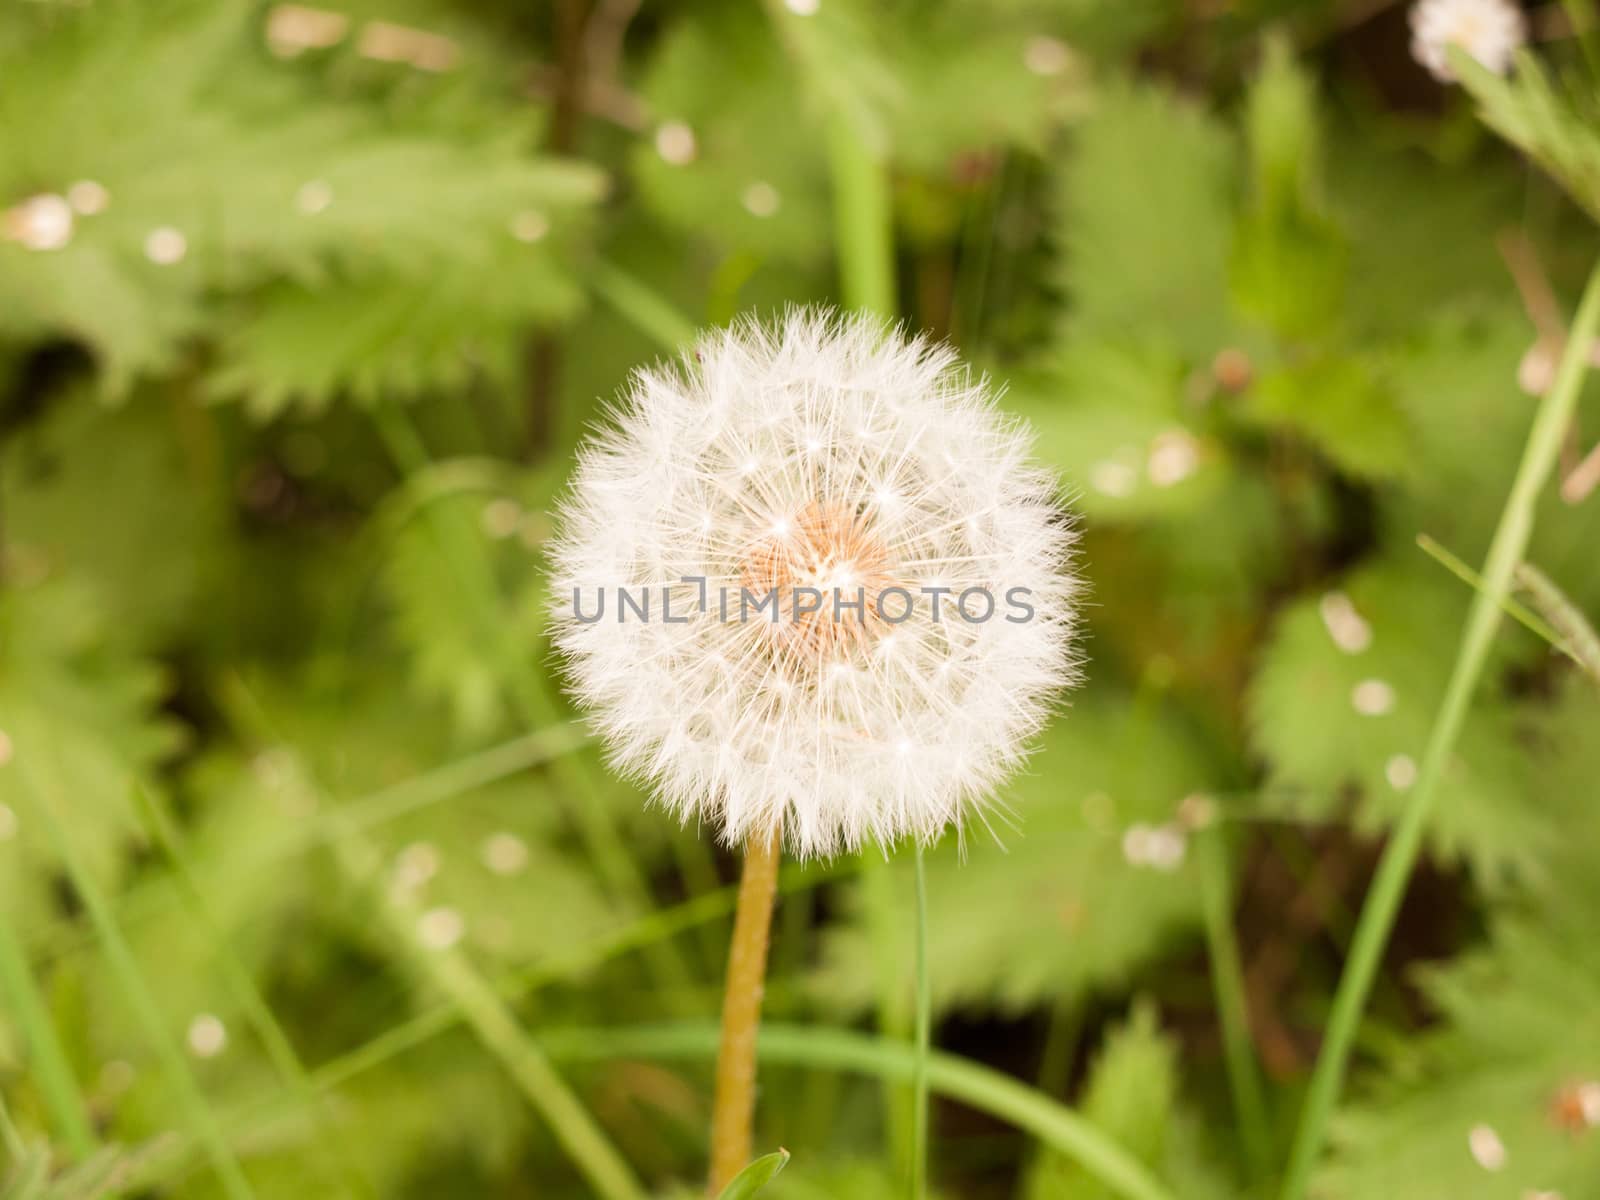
[1227, 981]
[125, 967]
[862, 222]
[1579, 638]
[57, 1084]
[467, 566]
[488, 1015]
[1529, 620]
[367, 812]
[1394, 869]
[280, 1051]
[973, 1084]
[640, 307]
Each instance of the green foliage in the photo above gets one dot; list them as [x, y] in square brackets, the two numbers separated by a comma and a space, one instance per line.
[1245, 282]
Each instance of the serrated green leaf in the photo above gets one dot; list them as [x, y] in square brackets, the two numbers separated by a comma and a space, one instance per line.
[1144, 220]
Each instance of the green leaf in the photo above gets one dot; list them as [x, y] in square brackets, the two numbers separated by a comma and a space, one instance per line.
[1341, 708]
[755, 1177]
[1343, 406]
[1077, 857]
[1556, 122]
[1144, 220]
[1133, 1095]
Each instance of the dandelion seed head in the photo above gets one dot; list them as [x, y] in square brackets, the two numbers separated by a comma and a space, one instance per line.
[1490, 31]
[762, 461]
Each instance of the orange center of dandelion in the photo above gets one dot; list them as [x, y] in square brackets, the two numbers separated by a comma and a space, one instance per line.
[828, 549]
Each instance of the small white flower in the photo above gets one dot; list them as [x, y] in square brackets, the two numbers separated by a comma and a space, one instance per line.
[1490, 31]
[816, 452]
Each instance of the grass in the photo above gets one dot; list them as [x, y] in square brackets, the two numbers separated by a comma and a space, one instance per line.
[1554, 416]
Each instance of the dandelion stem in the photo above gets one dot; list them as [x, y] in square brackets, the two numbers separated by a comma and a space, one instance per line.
[919, 1083]
[1394, 870]
[734, 1107]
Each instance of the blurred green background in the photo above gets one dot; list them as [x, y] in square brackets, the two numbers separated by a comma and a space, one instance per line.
[310, 885]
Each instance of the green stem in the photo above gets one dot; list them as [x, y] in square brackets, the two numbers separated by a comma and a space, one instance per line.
[862, 220]
[125, 966]
[1227, 978]
[981, 1087]
[57, 1084]
[1394, 871]
[10, 1136]
[919, 1083]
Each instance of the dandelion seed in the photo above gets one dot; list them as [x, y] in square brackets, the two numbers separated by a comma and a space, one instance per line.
[1174, 456]
[1400, 771]
[1372, 698]
[675, 143]
[1166, 847]
[313, 197]
[1488, 1151]
[761, 199]
[1045, 55]
[292, 29]
[8, 822]
[505, 853]
[1349, 631]
[165, 246]
[440, 928]
[501, 518]
[88, 198]
[1490, 31]
[530, 226]
[1111, 478]
[802, 722]
[207, 1036]
[415, 865]
[40, 222]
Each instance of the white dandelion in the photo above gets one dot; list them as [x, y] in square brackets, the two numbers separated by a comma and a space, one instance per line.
[1490, 31]
[819, 453]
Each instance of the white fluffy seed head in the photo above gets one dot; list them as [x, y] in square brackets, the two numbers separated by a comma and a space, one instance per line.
[1490, 31]
[816, 451]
